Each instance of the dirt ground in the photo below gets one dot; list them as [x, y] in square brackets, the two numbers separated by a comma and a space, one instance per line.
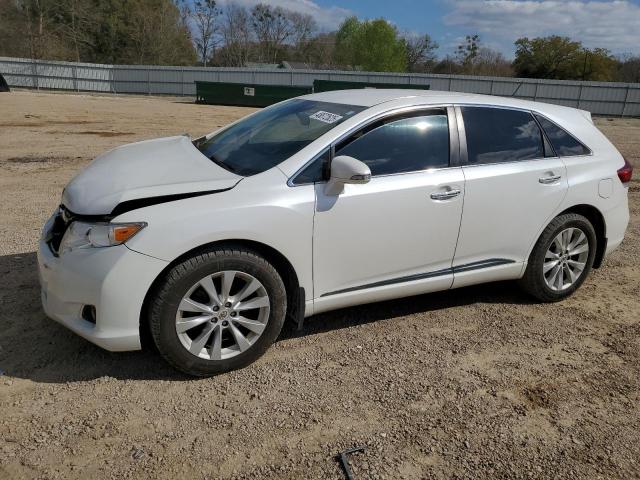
[480, 382]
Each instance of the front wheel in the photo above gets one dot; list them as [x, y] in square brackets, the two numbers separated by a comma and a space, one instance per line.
[218, 311]
[561, 259]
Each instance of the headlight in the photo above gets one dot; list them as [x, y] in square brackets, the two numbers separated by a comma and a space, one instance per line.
[85, 235]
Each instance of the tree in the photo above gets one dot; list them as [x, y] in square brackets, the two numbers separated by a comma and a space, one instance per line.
[373, 45]
[628, 69]
[563, 59]
[205, 14]
[420, 52]
[272, 29]
[491, 63]
[236, 31]
[467, 51]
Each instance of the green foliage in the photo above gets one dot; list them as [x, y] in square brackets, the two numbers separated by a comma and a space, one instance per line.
[103, 31]
[227, 33]
[561, 58]
[372, 45]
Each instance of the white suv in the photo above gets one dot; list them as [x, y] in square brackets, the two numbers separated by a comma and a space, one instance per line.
[322, 202]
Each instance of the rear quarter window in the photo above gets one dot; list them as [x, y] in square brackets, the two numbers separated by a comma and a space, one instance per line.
[562, 141]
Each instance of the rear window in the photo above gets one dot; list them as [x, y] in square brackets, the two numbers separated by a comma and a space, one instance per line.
[563, 142]
[496, 135]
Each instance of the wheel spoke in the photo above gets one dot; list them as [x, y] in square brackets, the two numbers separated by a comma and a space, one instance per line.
[551, 255]
[216, 346]
[558, 243]
[560, 278]
[253, 325]
[572, 275]
[248, 289]
[188, 305]
[581, 238]
[549, 265]
[207, 284]
[227, 281]
[554, 274]
[240, 339]
[257, 302]
[198, 344]
[579, 249]
[189, 323]
[576, 265]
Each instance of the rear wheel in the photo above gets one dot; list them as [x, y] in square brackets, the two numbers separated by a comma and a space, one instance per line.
[561, 259]
[218, 311]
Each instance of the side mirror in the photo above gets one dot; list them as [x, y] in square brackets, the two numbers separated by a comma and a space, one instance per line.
[346, 170]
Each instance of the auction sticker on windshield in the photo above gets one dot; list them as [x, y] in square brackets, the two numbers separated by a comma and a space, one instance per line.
[326, 117]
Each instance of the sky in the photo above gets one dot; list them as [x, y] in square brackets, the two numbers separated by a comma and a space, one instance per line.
[611, 24]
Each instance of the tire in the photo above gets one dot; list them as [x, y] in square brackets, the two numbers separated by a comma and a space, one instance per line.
[183, 287]
[536, 282]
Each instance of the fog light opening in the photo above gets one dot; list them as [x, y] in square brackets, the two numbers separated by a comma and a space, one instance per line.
[89, 313]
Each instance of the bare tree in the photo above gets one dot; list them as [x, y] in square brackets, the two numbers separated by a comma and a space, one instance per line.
[205, 14]
[303, 30]
[76, 22]
[236, 35]
[491, 62]
[272, 29]
[421, 52]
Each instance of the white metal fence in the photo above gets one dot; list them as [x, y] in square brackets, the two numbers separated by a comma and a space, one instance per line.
[601, 98]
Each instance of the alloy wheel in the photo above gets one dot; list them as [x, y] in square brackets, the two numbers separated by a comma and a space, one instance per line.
[222, 315]
[566, 259]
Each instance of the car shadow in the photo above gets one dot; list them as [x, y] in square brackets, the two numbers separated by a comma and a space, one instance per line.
[36, 348]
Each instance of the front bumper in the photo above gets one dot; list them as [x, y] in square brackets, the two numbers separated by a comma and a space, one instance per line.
[114, 280]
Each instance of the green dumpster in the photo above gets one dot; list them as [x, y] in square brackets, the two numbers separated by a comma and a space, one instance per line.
[329, 85]
[245, 94]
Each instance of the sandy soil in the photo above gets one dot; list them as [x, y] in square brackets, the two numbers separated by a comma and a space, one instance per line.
[473, 383]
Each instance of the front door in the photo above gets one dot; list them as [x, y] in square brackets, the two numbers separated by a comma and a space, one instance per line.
[398, 232]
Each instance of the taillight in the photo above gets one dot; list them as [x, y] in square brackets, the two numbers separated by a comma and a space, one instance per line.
[625, 173]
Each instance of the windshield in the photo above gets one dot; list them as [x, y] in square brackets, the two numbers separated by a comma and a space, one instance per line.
[269, 137]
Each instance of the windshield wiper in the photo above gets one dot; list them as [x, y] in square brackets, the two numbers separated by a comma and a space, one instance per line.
[220, 163]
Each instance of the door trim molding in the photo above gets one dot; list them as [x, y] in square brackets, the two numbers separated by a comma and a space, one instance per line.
[492, 262]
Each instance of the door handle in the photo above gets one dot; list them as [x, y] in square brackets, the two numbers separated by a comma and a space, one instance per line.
[549, 179]
[446, 195]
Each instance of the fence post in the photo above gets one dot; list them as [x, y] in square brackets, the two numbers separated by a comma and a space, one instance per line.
[148, 80]
[291, 78]
[579, 96]
[450, 80]
[34, 67]
[75, 78]
[535, 92]
[182, 80]
[491, 88]
[626, 99]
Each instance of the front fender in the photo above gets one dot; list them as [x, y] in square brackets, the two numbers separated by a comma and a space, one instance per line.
[259, 210]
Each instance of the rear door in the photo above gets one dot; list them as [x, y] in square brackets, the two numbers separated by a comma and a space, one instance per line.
[514, 182]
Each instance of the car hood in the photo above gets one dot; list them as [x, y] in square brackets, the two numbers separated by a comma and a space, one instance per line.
[144, 173]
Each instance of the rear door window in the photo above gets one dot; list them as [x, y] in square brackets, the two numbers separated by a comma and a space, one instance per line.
[496, 135]
[563, 142]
